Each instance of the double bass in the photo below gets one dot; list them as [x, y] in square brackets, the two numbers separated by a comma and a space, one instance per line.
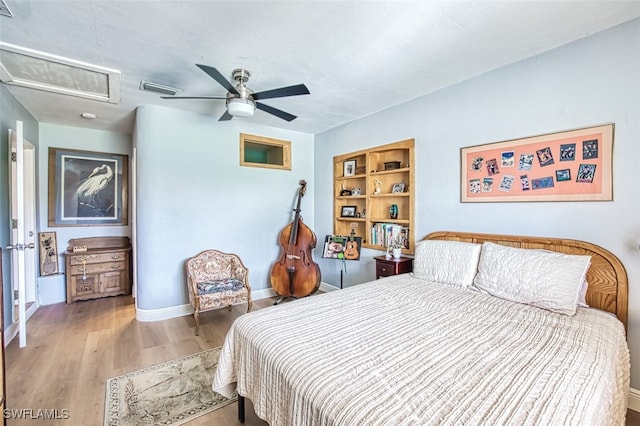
[295, 274]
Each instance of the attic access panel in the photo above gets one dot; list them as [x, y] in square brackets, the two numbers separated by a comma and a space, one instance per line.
[259, 151]
[24, 67]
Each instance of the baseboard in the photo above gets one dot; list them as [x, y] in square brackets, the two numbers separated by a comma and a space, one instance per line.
[634, 400]
[328, 287]
[151, 315]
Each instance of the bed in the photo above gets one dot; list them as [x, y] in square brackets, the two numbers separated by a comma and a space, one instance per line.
[488, 329]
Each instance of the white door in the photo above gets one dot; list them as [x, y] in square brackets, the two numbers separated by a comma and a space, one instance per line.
[23, 260]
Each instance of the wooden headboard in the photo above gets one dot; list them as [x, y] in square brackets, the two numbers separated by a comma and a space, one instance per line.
[608, 286]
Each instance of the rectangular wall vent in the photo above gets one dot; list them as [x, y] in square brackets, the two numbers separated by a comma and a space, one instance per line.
[42, 71]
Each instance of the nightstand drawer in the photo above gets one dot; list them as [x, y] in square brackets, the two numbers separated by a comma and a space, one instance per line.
[388, 267]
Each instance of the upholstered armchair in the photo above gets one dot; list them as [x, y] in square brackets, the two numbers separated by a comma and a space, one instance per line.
[215, 280]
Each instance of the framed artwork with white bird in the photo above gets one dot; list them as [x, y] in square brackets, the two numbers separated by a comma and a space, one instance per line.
[87, 188]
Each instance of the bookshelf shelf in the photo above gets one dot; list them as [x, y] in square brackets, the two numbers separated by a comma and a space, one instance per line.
[372, 203]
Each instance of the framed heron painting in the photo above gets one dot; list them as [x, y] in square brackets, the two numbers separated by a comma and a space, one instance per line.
[87, 188]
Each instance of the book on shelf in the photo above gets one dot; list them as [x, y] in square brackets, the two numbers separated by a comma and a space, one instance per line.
[383, 234]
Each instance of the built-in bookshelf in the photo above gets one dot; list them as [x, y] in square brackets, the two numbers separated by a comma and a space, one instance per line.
[367, 184]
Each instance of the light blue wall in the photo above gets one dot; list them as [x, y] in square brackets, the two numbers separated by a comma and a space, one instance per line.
[589, 82]
[51, 289]
[10, 111]
[193, 195]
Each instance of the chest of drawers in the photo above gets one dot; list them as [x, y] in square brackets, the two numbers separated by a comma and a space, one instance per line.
[103, 270]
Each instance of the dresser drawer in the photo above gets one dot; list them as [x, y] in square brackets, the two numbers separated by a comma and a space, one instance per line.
[97, 268]
[97, 257]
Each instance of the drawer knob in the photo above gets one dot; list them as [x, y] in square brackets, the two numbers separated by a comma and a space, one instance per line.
[115, 256]
[384, 269]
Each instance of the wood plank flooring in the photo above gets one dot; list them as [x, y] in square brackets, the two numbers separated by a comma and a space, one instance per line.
[73, 349]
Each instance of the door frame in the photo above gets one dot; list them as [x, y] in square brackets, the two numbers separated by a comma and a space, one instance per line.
[30, 238]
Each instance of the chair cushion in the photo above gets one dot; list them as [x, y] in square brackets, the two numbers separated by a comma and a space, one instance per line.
[219, 286]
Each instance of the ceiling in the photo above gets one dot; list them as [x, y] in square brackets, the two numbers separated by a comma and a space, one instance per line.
[355, 57]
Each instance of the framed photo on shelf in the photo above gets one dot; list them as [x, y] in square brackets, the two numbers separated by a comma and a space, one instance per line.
[349, 168]
[397, 187]
[348, 211]
[87, 188]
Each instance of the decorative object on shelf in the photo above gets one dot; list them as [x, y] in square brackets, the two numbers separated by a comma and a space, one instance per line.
[87, 188]
[348, 211]
[48, 253]
[393, 211]
[391, 165]
[397, 187]
[349, 168]
[573, 165]
[364, 213]
[395, 246]
[360, 170]
[355, 191]
[377, 182]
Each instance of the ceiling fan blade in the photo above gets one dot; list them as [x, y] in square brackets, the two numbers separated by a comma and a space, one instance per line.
[215, 74]
[193, 97]
[225, 117]
[275, 111]
[298, 89]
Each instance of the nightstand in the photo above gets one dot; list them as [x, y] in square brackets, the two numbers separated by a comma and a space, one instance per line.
[385, 267]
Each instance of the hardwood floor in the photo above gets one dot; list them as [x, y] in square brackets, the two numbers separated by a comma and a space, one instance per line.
[73, 349]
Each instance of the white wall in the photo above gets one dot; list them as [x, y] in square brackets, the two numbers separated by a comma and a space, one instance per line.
[589, 82]
[193, 195]
[52, 288]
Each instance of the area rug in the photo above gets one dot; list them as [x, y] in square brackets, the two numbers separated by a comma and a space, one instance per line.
[171, 393]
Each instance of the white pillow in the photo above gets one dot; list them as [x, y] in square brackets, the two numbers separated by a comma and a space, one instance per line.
[582, 299]
[449, 262]
[545, 279]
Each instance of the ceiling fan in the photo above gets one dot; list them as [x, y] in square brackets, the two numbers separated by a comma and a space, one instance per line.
[242, 101]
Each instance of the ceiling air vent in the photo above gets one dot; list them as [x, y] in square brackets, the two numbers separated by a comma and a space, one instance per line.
[24, 67]
[4, 9]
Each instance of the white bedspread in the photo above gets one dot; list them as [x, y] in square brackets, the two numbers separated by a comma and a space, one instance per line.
[401, 350]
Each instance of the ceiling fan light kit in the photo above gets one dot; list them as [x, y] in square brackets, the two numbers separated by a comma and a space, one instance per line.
[239, 107]
[241, 101]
